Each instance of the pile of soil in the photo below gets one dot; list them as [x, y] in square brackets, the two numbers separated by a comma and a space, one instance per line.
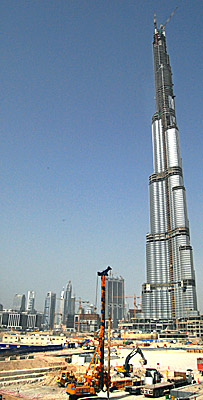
[39, 361]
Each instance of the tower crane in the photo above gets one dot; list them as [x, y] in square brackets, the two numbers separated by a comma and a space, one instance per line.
[134, 302]
[167, 21]
[169, 18]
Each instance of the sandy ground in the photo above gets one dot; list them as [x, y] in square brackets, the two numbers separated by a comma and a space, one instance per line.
[39, 361]
[170, 359]
[163, 359]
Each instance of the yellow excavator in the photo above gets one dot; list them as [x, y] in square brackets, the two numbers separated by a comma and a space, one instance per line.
[126, 370]
[65, 378]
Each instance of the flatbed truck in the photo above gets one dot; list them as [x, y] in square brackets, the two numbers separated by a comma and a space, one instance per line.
[152, 386]
[135, 388]
[157, 389]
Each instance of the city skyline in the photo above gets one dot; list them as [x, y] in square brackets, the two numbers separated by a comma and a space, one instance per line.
[77, 89]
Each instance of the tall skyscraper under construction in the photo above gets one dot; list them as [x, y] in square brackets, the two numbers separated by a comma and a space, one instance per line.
[170, 291]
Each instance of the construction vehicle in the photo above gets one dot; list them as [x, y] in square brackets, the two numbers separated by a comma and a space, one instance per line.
[153, 386]
[97, 378]
[200, 364]
[183, 378]
[152, 377]
[64, 378]
[127, 342]
[158, 388]
[126, 370]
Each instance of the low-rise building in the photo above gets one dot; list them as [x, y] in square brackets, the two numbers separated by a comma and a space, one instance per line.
[33, 339]
[193, 326]
[185, 328]
[20, 320]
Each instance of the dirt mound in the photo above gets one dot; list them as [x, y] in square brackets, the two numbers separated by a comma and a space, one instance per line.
[39, 361]
[50, 379]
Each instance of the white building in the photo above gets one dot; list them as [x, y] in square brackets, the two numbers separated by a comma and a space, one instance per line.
[30, 301]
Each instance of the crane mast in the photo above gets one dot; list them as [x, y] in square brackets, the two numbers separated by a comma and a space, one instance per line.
[98, 379]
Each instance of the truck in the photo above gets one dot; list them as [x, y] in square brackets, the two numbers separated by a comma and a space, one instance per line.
[161, 388]
[157, 389]
[123, 384]
[200, 364]
[127, 342]
[183, 378]
[152, 385]
[135, 388]
[152, 377]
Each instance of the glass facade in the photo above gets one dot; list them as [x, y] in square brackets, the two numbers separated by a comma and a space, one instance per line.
[170, 291]
[115, 299]
[49, 310]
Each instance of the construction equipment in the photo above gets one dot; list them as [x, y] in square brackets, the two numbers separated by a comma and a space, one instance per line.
[183, 378]
[135, 309]
[155, 387]
[64, 378]
[152, 376]
[200, 364]
[153, 384]
[126, 370]
[97, 378]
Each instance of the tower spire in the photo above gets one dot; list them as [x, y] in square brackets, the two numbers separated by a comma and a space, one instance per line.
[155, 23]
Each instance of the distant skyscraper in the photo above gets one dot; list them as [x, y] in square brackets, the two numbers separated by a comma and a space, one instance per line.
[30, 301]
[59, 310]
[71, 315]
[72, 305]
[67, 301]
[19, 302]
[170, 291]
[49, 310]
[115, 299]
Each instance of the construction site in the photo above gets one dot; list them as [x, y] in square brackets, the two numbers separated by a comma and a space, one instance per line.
[89, 366]
[39, 376]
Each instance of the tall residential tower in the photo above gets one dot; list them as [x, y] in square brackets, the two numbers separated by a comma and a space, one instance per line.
[170, 291]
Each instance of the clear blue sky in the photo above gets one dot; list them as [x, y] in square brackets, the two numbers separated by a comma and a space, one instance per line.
[76, 153]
